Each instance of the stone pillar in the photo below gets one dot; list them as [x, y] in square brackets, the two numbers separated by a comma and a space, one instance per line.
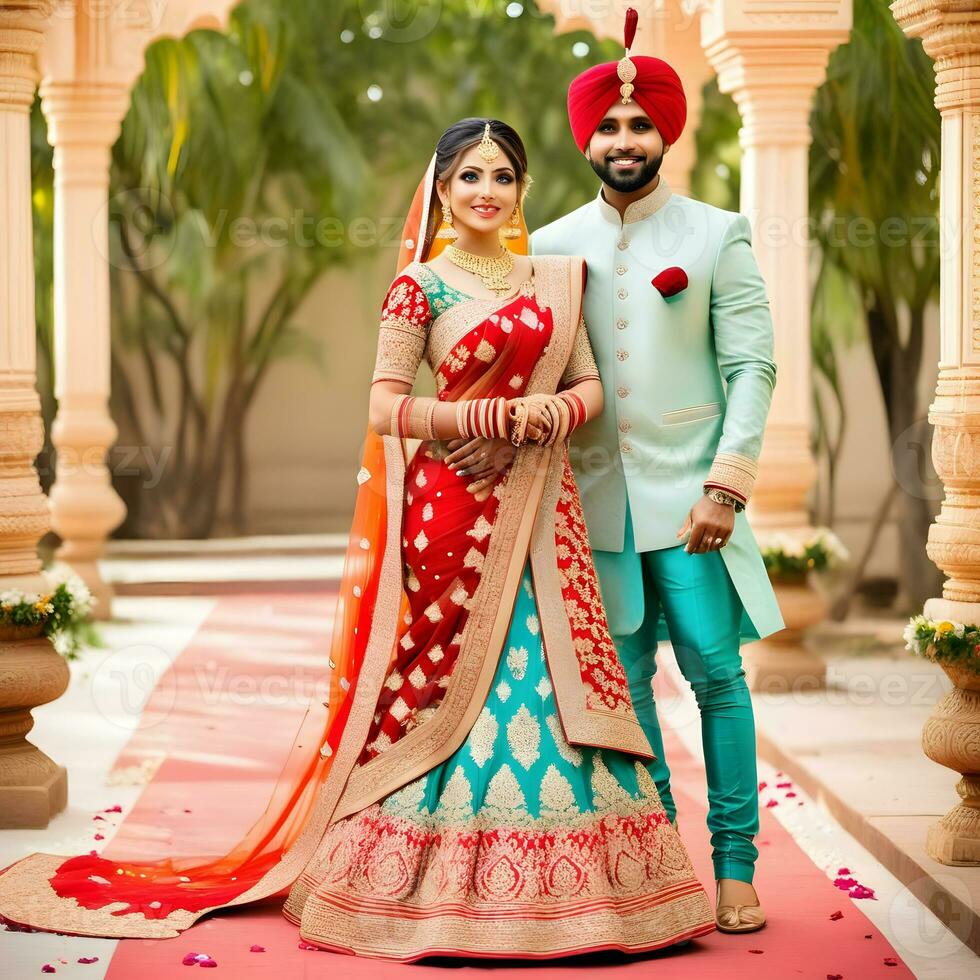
[771, 57]
[91, 61]
[32, 787]
[83, 123]
[771, 62]
[950, 33]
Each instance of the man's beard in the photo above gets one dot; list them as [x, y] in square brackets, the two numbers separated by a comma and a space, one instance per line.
[626, 183]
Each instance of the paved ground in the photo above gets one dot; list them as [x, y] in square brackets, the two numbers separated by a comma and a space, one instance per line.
[850, 753]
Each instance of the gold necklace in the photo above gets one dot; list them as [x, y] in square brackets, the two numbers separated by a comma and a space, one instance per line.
[492, 269]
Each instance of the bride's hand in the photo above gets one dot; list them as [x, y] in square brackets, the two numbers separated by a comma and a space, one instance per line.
[538, 420]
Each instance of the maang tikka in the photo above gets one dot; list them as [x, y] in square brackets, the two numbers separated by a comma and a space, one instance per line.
[489, 147]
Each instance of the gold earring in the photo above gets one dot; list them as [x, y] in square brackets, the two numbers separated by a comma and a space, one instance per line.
[448, 231]
[514, 231]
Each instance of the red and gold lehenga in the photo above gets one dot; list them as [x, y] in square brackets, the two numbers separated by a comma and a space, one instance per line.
[478, 785]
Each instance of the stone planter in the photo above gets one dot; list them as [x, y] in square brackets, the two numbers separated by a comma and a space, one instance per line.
[951, 737]
[781, 663]
[11, 633]
[33, 788]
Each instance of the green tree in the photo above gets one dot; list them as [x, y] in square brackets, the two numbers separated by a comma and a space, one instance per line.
[874, 196]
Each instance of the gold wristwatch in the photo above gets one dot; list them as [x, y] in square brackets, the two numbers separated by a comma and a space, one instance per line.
[721, 497]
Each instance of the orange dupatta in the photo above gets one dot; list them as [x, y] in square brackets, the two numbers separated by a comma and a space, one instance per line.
[90, 895]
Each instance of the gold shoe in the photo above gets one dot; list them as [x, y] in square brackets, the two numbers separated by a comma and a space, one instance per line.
[738, 918]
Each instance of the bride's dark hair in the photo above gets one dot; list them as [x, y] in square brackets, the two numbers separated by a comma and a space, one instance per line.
[459, 138]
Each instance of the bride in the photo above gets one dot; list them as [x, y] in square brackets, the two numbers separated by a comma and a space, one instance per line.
[477, 785]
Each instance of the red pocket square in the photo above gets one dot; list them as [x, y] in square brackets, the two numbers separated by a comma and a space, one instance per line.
[671, 281]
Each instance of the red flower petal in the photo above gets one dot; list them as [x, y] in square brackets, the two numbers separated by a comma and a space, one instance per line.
[844, 883]
[757, 951]
[97, 817]
[835, 976]
[762, 786]
[88, 959]
[859, 891]
[255, 948]
[772, 803]
[208, 962]
[836, 916]
[303, 945]
[48, 968]
[790, 795]
[843, 871]
[100, 836]
[113, 809]
[783, 785]
[890, 961]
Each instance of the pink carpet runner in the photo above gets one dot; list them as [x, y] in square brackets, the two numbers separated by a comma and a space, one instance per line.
[226, 713]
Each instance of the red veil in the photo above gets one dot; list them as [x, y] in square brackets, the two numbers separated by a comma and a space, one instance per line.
[90, 895]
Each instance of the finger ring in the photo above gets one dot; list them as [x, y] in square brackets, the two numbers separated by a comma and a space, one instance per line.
[717, 540]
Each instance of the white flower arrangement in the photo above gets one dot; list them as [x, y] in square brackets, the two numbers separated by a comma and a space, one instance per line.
[944, 641]
[794, 555]
[62, 612]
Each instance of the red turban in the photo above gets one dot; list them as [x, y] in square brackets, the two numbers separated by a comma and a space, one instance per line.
[657, 89]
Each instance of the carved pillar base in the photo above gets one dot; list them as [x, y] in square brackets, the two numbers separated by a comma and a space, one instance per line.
[782, 663]
[950, 34]
[33, 788]
[951, 737]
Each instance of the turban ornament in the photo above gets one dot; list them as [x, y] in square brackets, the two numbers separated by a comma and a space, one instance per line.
[625, 69]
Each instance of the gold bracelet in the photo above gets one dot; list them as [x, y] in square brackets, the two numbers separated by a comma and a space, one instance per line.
[518, 422]
[395, 411]
[461, 420]
[430, 419]
[565, 419]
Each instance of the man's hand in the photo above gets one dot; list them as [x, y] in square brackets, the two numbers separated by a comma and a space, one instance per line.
[482, 460]
[707, 521]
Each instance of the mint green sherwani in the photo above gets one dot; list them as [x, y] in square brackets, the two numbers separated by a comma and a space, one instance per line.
[688, 383]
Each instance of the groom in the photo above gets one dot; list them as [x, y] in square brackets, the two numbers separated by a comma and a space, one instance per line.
[679, 320]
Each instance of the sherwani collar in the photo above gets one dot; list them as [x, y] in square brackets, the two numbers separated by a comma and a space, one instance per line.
[638, 210]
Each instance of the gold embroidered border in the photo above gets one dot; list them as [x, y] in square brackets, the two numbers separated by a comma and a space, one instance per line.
[583, 725]
[630, 926]
[735, 471]
[27, 898]
[434, 741]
